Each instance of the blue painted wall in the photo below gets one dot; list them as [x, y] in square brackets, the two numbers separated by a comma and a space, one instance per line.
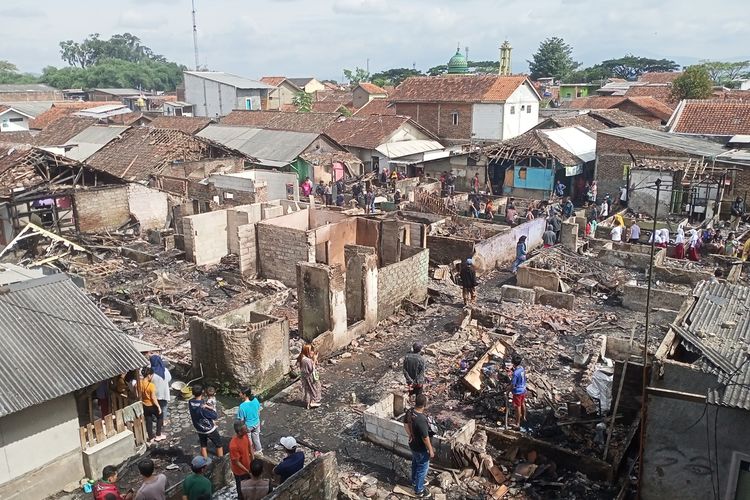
[536, 178]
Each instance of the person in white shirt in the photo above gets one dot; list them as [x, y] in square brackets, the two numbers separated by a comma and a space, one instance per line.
[624, 197]
[635, 233]
[616, 232]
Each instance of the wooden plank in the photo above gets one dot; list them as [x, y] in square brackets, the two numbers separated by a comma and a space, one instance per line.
[500, 492]
[670, 394]
[90, 436]
[473, 379]
[119, 421]
[109, 424]
[616, 407]
[82, 436]
[101, 435]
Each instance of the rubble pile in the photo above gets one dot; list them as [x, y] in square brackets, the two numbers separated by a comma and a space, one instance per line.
[582, 273]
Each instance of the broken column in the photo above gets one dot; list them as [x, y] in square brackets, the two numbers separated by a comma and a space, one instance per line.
[322, 300]
[569, 236]
[361, 285]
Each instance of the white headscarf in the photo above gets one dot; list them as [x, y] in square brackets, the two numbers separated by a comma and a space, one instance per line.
[664, 236]
[693, 237]
[680, 238]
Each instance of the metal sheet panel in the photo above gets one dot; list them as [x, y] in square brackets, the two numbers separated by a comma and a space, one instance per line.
[272, 145]
[674, 142]
[53, 341]
[575, 140]
[406, 148]
[229, 79]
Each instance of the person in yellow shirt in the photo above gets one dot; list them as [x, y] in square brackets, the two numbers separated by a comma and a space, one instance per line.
[151, 408]
[746, 250]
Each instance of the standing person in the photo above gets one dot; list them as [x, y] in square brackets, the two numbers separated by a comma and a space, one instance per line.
[151, 407]
[249, 412]
[240, 455]
[328, 193]
[624, 197]
[320, 191]
[469, 282]
[356, 190]
[560, 189]
[593, 213]
[340, 199]
[397, 197]
[256, 488]
[731, 246]
[530, 214]
[511, 215]
[489, 209]
[203, 417]
[162, 379]
[369, 201]
[294, 460]
[590, 196]
[635, 233]
[568, 208]
[679, 243]
[556, 222]
[153, 487]
[594, 190]
[306, 187]
[616, 232]
[549, 237]
[414, 369]
[693, 246]
[746, 250]
[604, 211]
[520, 254]
[418, 430]
[450, 183]
[307, 361]
[197, 485]
[738, 210]
[107, 486]
[518, 388]
[475, 183]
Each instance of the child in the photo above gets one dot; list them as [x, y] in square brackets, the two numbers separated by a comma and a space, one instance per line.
[211, 397]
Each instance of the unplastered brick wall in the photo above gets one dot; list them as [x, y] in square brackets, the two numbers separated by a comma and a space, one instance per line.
[101, 209]
[279, 250]
[205, 237]
[406, 279]
[148, 205]
[319, 479]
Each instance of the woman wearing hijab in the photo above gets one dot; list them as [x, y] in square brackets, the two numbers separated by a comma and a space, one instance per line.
[161, 380]
[308, 361]
[693, 246]
[663, 240]
[679, 244]
[520, 253]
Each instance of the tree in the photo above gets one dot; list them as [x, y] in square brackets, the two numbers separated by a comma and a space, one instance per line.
[631, 67]
[394, 76]
[726, 73]
[553, 58]
[303, 101]
[594, 74]
[9, 74]
[693, 83]
[356, 76]
[93, 50]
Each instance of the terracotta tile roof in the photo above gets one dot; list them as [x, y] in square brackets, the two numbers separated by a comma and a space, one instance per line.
[129, 118]
[708, 117]
[367, 132]
[188, 124]
[584, 120]
[62, 130]
[653, 106]
[144, 151]
[20, 137]
[371, 88]
[327, 106]
[731, 95]
[533, 143]
[60, 109]
[471, 88]
[273, 81]
[19, 167]
[616, 118]
[376, 107]
[280, 120]
[662, 93]
[659, 76]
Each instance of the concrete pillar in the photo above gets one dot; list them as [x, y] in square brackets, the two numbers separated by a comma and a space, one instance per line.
[569, 236]
[322, 300]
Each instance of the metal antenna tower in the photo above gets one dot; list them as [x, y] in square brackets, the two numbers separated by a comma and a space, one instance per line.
[195, 39]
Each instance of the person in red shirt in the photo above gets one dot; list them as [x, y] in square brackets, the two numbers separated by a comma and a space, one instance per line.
[107, 486]
[241, 455]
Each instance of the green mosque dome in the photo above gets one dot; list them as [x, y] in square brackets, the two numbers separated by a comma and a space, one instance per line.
[458, 65]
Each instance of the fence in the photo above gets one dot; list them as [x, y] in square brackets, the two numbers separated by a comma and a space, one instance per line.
[129, 418]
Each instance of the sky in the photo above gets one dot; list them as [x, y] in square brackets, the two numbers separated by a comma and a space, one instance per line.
[303, 38]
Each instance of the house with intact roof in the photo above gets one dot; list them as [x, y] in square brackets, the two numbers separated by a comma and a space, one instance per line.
[464, 108]
[283, 92]
[215, 93]
[366, 92]
[720, 120]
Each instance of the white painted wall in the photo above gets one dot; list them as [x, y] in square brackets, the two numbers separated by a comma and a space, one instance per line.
[407, 132]
[521, 120]
[210, 98]
[487, 122]
[6, 125]
[37, 436]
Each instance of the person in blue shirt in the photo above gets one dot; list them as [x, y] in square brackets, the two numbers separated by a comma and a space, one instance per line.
[518, 388]
[249, 412]
[559, 189]
[568, 208]
[294, 461]
[520, 253]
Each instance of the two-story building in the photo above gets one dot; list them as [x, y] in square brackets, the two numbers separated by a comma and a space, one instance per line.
[462, 108]
[215, 93]
[282, 95]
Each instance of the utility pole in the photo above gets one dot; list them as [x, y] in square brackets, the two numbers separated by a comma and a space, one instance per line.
[195, 39]
[367, 68]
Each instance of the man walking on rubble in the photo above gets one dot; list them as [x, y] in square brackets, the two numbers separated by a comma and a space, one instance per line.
[414, 370]
[418, 430]
[518, 388]
[469, 282]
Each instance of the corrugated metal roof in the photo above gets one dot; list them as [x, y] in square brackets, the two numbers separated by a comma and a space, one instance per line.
[26, 87]
[53, 341]
[229, 79]
[273, 145]
[11, 273]
[674, 142]
[576, 140]
[92, 140]
[33, 108]
[119, 92]
[400, 149]
[104, 111]
[718, 328]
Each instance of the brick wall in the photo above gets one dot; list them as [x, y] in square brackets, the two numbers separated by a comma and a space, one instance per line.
[246, 349]
[149, 206]
[319, 479]
[402, 280]
[280, 248]
[500, 249]
[205, 237]
[247, 250]
[612, 157]
[355, 257]
[438, 119]
[101, 209]
[444, 249]
[31, 96]
[632, 109]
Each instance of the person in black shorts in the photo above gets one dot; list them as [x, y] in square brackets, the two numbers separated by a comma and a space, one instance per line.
[203, 417]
